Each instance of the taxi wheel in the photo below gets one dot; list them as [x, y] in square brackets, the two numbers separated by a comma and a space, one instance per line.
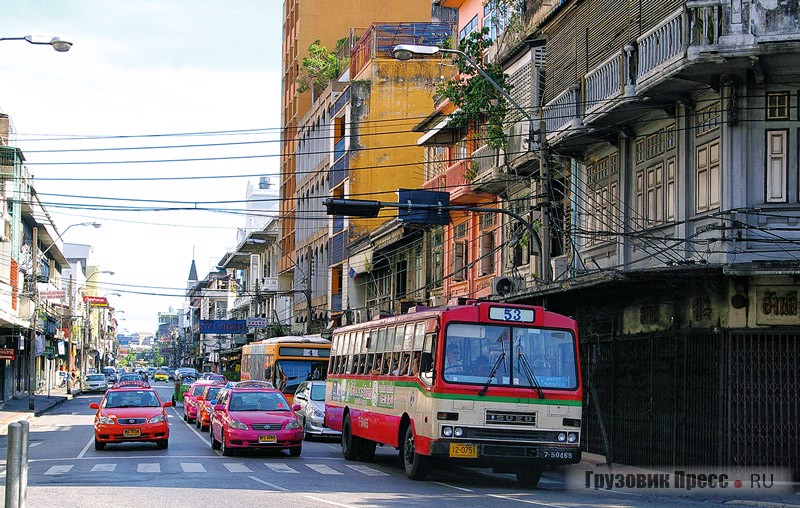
[197, 424]
[296, 451]
[415, 465]
[223, 447]
[98, 445]
[162, 444]
[185, 416]
[214, 443]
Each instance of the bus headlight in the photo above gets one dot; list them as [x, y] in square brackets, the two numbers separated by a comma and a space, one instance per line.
[459, 432]
[572, 437]
[447, 431]
[562, 436]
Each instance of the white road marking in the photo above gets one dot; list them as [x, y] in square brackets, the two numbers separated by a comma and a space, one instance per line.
[56, 470]
[452, 486]
[280, 468]
[366, 470]
[193, 467]
[86, 448]
[106, 468]
[36, 443]
[268, 484]
[203, 437]
[323, 469]
[527, 501]
[330, 502]
[148, 467]
[237, 467]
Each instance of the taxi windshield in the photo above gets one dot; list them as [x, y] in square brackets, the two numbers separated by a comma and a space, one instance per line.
[258, 401]
[131, 398]
[212, 393]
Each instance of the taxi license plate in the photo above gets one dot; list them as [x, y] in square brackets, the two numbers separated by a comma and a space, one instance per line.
[267, 439]
[131, 433]
[464, 450]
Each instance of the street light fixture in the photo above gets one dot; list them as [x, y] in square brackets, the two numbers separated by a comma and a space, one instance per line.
[404, 52]
[56, 43]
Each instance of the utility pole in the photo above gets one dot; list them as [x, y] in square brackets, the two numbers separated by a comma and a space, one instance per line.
[70, 356]
[307, 291]
[544, 201]
[34, 319]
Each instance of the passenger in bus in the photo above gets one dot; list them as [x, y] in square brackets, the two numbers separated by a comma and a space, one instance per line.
[415, 364]
[394, 369]
[452, 363]
[403, 370]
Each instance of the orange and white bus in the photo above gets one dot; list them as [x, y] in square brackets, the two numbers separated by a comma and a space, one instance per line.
[483, 384]
[286, 361]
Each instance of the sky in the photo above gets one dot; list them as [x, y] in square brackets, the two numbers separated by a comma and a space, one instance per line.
[142, 75]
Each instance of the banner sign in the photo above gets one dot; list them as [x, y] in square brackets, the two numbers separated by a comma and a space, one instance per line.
[97, 301]
[52, 295]
[6, 353]
[256, 322]
[223, 326]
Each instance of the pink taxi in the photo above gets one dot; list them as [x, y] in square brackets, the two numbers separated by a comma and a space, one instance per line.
[255, 418]
[190, 403]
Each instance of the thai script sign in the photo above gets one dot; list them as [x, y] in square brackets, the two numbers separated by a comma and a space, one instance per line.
[777, 306]
[223, 326]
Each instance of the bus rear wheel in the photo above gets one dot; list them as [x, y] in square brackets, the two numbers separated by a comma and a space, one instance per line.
[367, 450]
[416, 465]
[529, 477]
[351, 445]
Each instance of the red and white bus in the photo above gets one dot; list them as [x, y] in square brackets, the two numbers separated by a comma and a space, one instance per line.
[483, 384]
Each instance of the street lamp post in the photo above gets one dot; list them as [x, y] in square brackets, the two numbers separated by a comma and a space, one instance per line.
[56, 43]
[405, 52]
[35, 299]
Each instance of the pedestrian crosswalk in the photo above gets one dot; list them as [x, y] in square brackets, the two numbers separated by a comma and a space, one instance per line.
[215, 467]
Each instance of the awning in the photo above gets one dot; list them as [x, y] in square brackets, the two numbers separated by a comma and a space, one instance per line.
[441, 134]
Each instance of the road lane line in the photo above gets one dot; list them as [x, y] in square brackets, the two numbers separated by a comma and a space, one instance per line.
[148, 467]
[86, 448]
[57, 470]
[366, 470]
[104, 468]
[268, 484]
[323, 469]
[527, 501]
[236, 467]
[280, 468]
[193, 467]
[330, 502]
[203, 437]
[452, 486]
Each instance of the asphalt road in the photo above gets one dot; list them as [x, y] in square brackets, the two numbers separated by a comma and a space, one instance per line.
[65, 470]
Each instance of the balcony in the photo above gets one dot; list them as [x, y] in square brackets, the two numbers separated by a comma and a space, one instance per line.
[456, 183]
[340, 170]
[489, 177]
[337, 247]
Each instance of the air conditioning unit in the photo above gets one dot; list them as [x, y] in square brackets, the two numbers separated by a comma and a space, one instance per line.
[502, 286]
[437, 301]
[560, 267]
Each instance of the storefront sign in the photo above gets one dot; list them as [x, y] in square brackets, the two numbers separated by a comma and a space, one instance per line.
[223, 326]
[777, 305]
[52, 295]
[6, 353]
[256, 322]
[97, 301]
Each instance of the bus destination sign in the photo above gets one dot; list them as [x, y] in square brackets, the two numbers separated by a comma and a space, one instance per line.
[512, 314]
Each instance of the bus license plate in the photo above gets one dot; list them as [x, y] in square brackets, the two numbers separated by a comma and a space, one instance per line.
[131, 433]
[268, 439]
[464, 450]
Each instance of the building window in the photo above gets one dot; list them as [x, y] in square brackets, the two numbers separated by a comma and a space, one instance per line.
[670, 193]
[655, 195]
[655, 192]
[777, 166]
[460, 230]
[707, 175]
[468, 28]
[603, 194]
[460, 261]
[488, 220]
[708, 119]
[778, 106]
[401, 278]
[487, 253]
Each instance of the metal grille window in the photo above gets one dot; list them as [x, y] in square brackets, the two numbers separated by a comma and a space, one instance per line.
[778, 106]
[460, 230]
[488, 220]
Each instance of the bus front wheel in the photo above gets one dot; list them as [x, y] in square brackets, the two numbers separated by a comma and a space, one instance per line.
[529, 477]
[351, 445]
[416, 465]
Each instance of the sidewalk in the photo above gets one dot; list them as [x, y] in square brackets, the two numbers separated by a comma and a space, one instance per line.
[17, 408]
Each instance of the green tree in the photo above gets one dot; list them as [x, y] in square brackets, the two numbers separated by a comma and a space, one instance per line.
[477, 99]
[321, 66]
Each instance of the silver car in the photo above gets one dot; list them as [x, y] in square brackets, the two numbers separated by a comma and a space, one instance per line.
[96, 383]
[310, 395]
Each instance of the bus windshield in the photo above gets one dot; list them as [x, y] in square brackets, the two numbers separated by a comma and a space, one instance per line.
[523, 356]
[290, 373]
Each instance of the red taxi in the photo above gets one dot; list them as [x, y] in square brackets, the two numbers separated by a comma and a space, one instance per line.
[204, 407]
[190, 399]
[130, 411]
[255, 418]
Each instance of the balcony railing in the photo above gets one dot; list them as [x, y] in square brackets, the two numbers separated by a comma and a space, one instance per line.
[338, 247]
[338, 149]
[563, 112]
[602, 84]
[340, 171]
[661, 46]
[705, 22]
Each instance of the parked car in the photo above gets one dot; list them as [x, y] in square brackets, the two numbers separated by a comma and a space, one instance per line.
[310, 396]
[255, 418]
[95, 383]
[205, 405]
[190, 399]
[131, 412]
